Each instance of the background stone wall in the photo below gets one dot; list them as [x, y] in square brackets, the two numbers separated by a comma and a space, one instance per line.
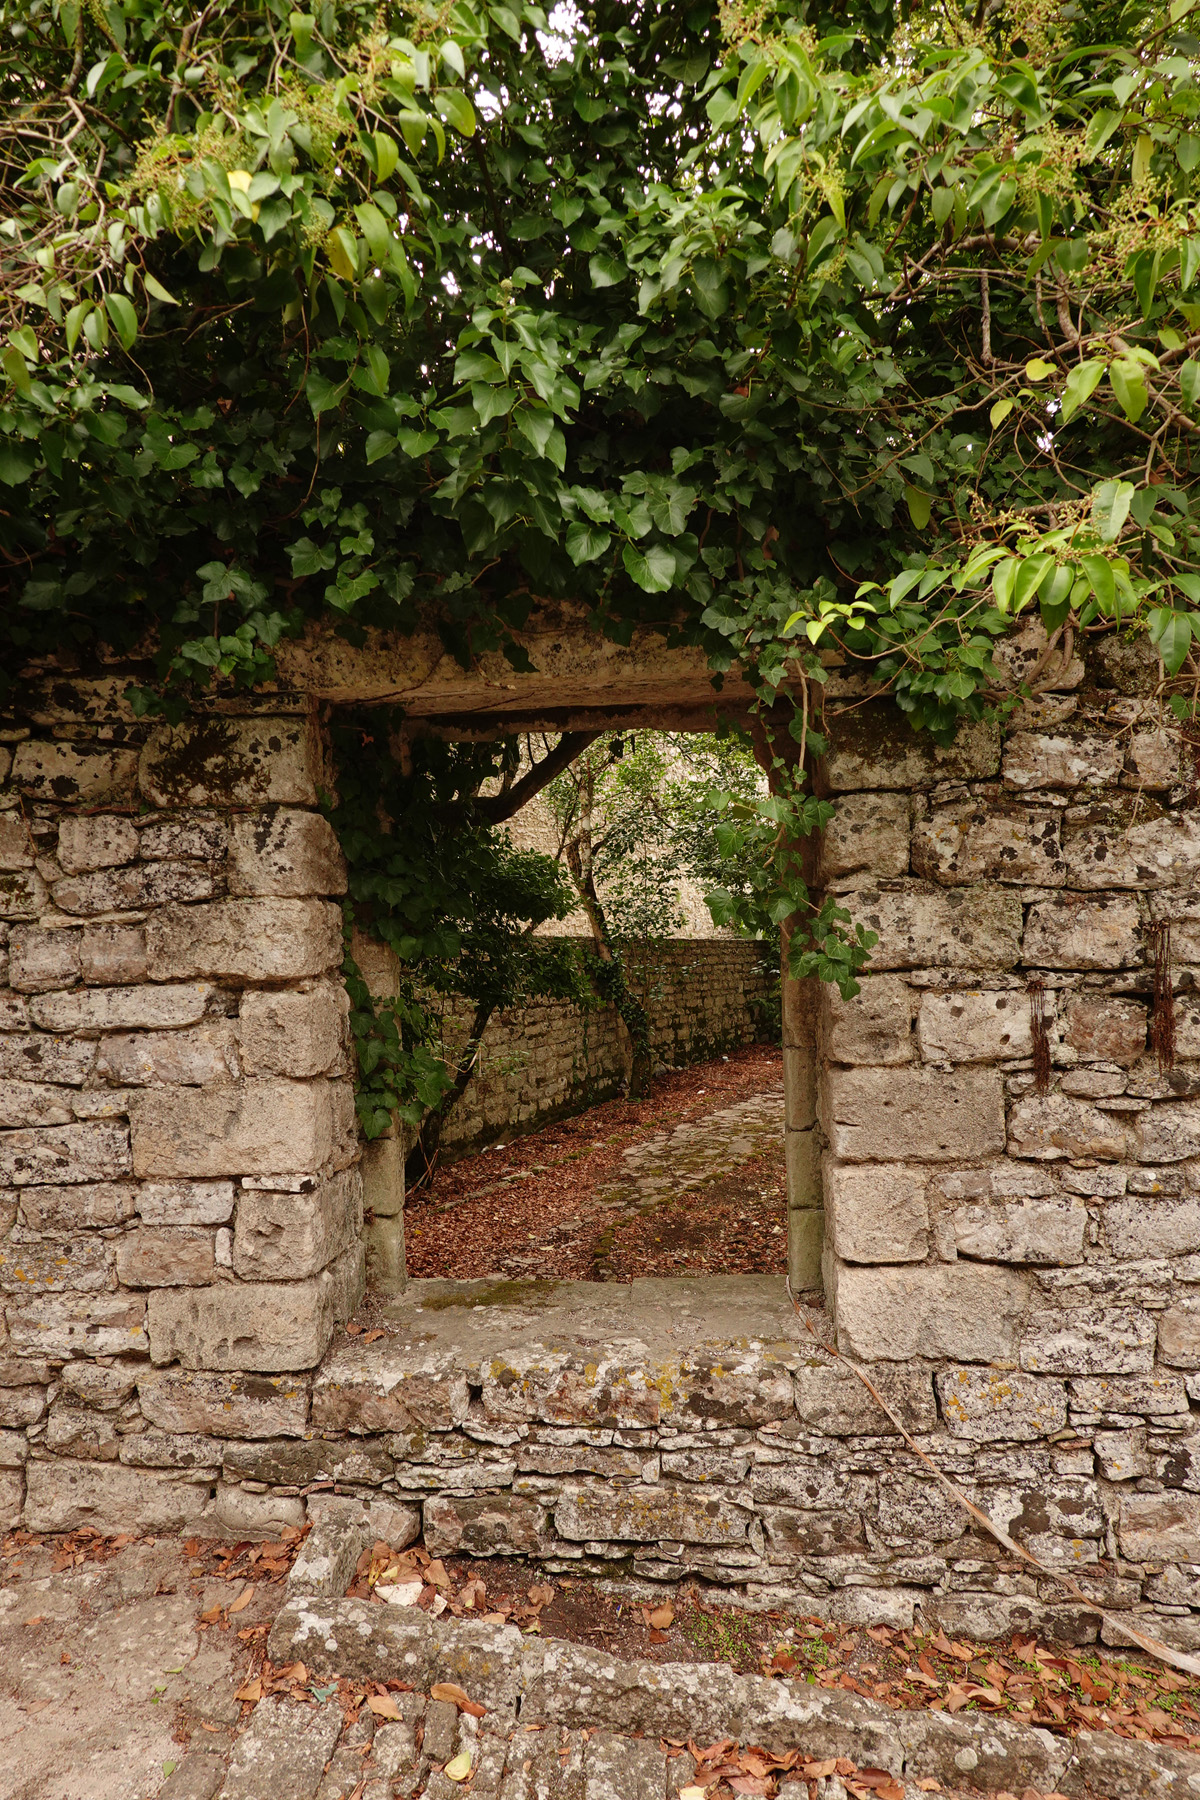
[552, 1057]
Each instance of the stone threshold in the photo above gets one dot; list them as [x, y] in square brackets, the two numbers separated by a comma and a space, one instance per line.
[527, 1683]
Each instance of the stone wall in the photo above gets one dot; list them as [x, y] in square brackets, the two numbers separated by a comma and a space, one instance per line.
[551, 1057]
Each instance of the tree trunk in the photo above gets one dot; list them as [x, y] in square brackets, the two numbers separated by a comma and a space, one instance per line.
[613, 983]
[422, 1159]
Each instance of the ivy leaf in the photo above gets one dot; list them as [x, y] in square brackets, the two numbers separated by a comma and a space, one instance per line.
[323, 394]
[606, 270]
[653, 569]
[586, 542]
[1000, 412]
[16, 464]
[379, 445]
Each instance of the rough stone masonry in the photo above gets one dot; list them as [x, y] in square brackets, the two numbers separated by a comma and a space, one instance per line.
[180, 1197]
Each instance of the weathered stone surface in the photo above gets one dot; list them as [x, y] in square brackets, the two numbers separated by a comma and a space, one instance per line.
[867, 837]
[34, 1056]
[1022, 1231]
[875, 748]
[95, 841]
[1128, 1770]
[95, 1151]
[1104, 1027]
[1179, 1334]
[166, 1256]
[121, 1008]
[876, 1213]
[971, 841]
[33, 1103]
[1038, 759]
[830, 1399]
[792, 1533]
[251, 940]
[485, 1525]
[874, 1027]
[112, 954]
[16, 845]
[991, 1406]
[979, 1026]
[292, 1033]
[371, 1388]
[64, 1325]
[285, 852]
[1153, 1394]
[296, 1462]
[958, 1310]
[22, 894]
[384, 1517]
[224, 1406]
[100, 1386]
[562, 1389]
[919, 1114]
[21, 1406]
[120, 890]
[1160, 1527]
[52, 1265]
[968, 928]
[80, 1431]
[327, 1559]
[204, 837]
[12, 1498]
[63, 1495]
[261, 1326]
[14, 1013]
[646, 1513]
[1142, 1227]
[990, 1755]
[193, 1057]
[1049, 1127]
[239, 1513]
[74, 774]
[1163, 852]
[270, 1127]
[283, 1751]
[68, 1209]
[1168, 1133]
[347, 1275]
[231, 762]
[1083, 934]
[41, 960]
[356, 1638]
[184, 1202]
[284, 1237]
[1091, 1340]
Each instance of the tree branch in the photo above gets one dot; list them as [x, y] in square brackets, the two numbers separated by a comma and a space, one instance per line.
[499, 807]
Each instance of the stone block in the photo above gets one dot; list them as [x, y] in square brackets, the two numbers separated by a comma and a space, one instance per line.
[41, 960]
[80, 1431]
[239, 1514]
[917, 1114]
[799, 1088]
[1044, 1232]
[1148, 1227]
[558, 1388]
[1152, 1395]
[831, 1400]
[327, 1559]
[285, 852]
[55, 1265]
[16, 845]
[805, 1247]
[971, 841]
[68, 1209]
[224, 1405]
[166, 1256]
[95, 841]
[284, 1237]
[12, 1498]
[648, 1514]
[1160, 1528]
[874, 1027]
[14, 1012]
[1179, 1334]
[246, 1128]
[876, 748]
[990, 1406]
[297, 1462]
[294, 1033]
[1083, 934]
[867, 837]
[14, 1449]
[260, 1326]
[184, 1202]
[23, 894]
[384, 1517]
[962, 1311]
[232, 762]
[194, 1057]
[376, 1388]
[122, 1008]
[63, 1496]
[74, 774]
[1168, 1133]
[486, 1525]
[112, 954]
[36, 1057]
[123, 890]
[1049, 1127]
[98, 1385]
[247, 940]
[969, 928]
[980, 1026]
[33, 1103]
[21, 1406]
[1163, 852]
[382, 1168]
[1105, 1028]
[1089, 1340]
[1042, 759]
[200, 837]
[63, 1154]
[877, 1213]
[66, 1325]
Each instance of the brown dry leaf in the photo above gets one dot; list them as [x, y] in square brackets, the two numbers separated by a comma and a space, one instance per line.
[252, 1691]
[450, 1690]
[191, 1547]
[383, 1706]
[750, 1784]
[540, 1597]
[819, 1771]
[370, 1336]
[206, 1618]
[928, 1785]
[662, 1617]
[243, 1600]
[352, 1328]
[436, 1575]
[296, 1671]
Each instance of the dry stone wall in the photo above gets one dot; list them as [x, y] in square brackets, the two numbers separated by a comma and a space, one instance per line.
[552, 1057]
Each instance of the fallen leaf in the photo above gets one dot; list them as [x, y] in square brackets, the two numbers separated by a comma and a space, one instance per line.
[540, 1596]
[818, 1771]
[192, 1547]
[383, 1706]
[352, 1328]
[169, 1768]
[662, 1616]
[252, 1691]
[693, 1793]
[370, 1338]
[459, 1767]
[436, 1574]
[450, 1690]
[36, 1619]
[243, 1600]
[750, 1784]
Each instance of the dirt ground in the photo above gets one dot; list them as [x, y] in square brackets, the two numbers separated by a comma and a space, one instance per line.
[549, 1199]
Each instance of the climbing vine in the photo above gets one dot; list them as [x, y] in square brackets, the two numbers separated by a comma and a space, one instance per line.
[816, 334]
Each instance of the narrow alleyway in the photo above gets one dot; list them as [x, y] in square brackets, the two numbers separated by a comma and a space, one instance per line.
[690, 1181]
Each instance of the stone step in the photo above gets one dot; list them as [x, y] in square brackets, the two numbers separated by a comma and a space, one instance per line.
[567, 1722]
